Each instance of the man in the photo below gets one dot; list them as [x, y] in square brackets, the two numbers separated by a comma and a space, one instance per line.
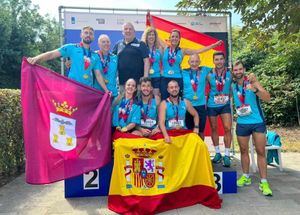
[246, 94]
[133, 56]
[172, 112]
[194, 84]
[149, 109]
[218, 104]
[84, 60]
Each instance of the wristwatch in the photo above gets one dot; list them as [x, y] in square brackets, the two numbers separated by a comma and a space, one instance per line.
[256, 91]
[196, 126]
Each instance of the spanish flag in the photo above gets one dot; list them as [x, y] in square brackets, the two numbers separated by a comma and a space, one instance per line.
[189, 39]
[150, 176]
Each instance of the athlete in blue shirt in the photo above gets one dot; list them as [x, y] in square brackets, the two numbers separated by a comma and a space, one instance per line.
[172, 112]
[194, 85]
[149, 109]
[108, 65]
[84, 60]
[247, 93]
[218, 104]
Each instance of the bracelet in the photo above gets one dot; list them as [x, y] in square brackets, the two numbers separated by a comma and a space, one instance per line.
[256, 91]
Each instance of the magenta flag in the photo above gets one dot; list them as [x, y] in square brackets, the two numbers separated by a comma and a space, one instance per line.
[67, 126]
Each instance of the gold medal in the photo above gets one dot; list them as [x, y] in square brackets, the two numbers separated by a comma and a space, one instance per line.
[171, 72]
[85, 76]
[106, 81]
[195, 97]
[177, 127]
[151, 71]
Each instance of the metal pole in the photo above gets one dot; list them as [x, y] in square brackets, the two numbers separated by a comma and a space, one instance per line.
[61, 37]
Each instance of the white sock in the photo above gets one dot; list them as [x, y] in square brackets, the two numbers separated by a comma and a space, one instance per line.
[263, 180]
[227, 152]
[217, 148]
[246, 175]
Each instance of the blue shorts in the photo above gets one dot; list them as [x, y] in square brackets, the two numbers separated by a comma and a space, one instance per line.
[189, 120]
[215, 111]
[155, 82]
[246, 130]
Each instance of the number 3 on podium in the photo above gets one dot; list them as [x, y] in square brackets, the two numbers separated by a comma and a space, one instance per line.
[219, 181]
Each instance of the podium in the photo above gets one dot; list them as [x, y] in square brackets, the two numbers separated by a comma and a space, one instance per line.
[93, 183]
[225, 179]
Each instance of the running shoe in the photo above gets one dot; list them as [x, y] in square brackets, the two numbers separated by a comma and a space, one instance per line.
[242, 181]
[265, 188]
[217, 158]
[226, 161]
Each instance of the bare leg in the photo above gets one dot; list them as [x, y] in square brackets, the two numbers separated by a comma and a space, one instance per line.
[214, 129]
[226, 121]
[260, 144]
[244, 148]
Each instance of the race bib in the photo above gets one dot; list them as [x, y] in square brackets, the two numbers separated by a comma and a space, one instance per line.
[221, 99]
[177, 124]
[148, 123]
[244, 110]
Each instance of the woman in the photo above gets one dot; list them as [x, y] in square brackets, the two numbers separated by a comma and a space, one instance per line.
[108, 65]
[126, 111]
[172, 58]
[150, 38]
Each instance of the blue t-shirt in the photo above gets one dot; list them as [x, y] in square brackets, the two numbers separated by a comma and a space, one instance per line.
[108, 69]
[149, 114]
[175, 114]
[126, 112]
[250, 98]
[172, 71]
[154, 71]
[77, 55]
[197, 97]
[214, 91]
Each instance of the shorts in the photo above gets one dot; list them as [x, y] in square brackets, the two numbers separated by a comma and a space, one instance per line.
[155, 82]
[215, 111]
[189, 120]
[164, 85]
[246, 130]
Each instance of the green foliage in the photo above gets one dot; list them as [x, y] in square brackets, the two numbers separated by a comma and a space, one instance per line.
[24, 33]
[11, 138]
[280, 15]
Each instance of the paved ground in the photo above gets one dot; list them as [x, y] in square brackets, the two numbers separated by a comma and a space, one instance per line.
[18, 197]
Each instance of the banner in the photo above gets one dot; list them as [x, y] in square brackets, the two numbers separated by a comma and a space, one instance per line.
[151, 176]
[67, 126]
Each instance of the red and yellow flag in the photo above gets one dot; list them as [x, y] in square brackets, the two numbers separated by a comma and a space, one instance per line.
[189, 39]
[151, 176]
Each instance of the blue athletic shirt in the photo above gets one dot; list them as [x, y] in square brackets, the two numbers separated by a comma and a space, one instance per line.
[156, 55]
[133, 111]
[149, 111]
[77, 71]
[188, 92]
[175, 112]
[173, 71]
[251, 99]
[213, 89]
[109, 76]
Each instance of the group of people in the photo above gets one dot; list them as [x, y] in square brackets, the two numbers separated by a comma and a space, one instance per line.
[151, 93]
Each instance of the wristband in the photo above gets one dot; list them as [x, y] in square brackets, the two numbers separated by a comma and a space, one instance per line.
[256, 91]
[196, 126]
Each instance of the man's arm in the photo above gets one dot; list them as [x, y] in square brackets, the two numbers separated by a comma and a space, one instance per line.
[146, 67]
[259, 90]
[162, 119]
[195, 115]
[44, 57]
[199, 51]
[100, 80]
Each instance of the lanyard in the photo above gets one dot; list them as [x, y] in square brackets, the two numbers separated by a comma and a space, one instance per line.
[194, 81]
[220, 80]
[175, 108]
[242, 95]
[125, 108]
[145, 111]
[151, 55]
[104, 61]
[172, 55]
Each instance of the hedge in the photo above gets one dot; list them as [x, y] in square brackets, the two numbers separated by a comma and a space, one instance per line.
[12, 157]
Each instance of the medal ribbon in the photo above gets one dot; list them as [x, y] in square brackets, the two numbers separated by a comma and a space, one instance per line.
[104, 61]
[145, 112]
[175, 108]
[220, 81]
[151, 56]
[86, 56]
[194, 81]
[242, 95]
[125, 108]
[172, 56]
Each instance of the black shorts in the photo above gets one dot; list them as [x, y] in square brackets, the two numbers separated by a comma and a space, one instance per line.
[215, 111]
[189, 120]
[246, 130]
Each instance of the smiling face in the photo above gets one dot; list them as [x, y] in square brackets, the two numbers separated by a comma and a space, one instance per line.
[194, 62]
[219, 61]
[238, 71]
[173, 89]
[174, 38]
[146, 88]
[151, 38]
[130, 87]
[104, 43]
[128, 32]
[87, 35]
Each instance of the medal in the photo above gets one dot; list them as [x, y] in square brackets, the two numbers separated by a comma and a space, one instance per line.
[104, 61]
[85, 76]
[87, 62]
[172, 56]
[195, 97]
[170, 72]
[194, 82]
[106, 81]
[151, 71]
[86, 58]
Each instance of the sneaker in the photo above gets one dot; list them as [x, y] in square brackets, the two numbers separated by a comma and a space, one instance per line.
[242, 181]
[226, 161]
[217, 158]
[265, 188]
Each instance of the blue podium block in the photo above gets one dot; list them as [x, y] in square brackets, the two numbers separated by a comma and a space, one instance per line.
[225, 179]
[93, 183]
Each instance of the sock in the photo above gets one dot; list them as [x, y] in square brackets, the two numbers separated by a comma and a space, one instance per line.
[227, 152]
[263, 180]
[246, 175]
[217, 148]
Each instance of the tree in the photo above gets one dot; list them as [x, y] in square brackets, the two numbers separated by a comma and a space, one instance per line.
[267, 15]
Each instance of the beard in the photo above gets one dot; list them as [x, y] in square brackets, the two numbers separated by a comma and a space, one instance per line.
[239, 76]
[88, 42]
[144, 94]
[174, 96]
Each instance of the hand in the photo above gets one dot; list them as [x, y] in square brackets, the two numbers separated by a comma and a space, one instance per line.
[118, 128]
[109, 92]
[68, 63]
[252, 78]
[32, 60]
[218, 43]
[124, 129]
[167, 139]
[196, 130]
[145, 132]
[155, 131]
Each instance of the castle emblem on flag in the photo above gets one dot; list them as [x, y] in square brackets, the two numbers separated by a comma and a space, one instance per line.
[62, 129]
[145, 171]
